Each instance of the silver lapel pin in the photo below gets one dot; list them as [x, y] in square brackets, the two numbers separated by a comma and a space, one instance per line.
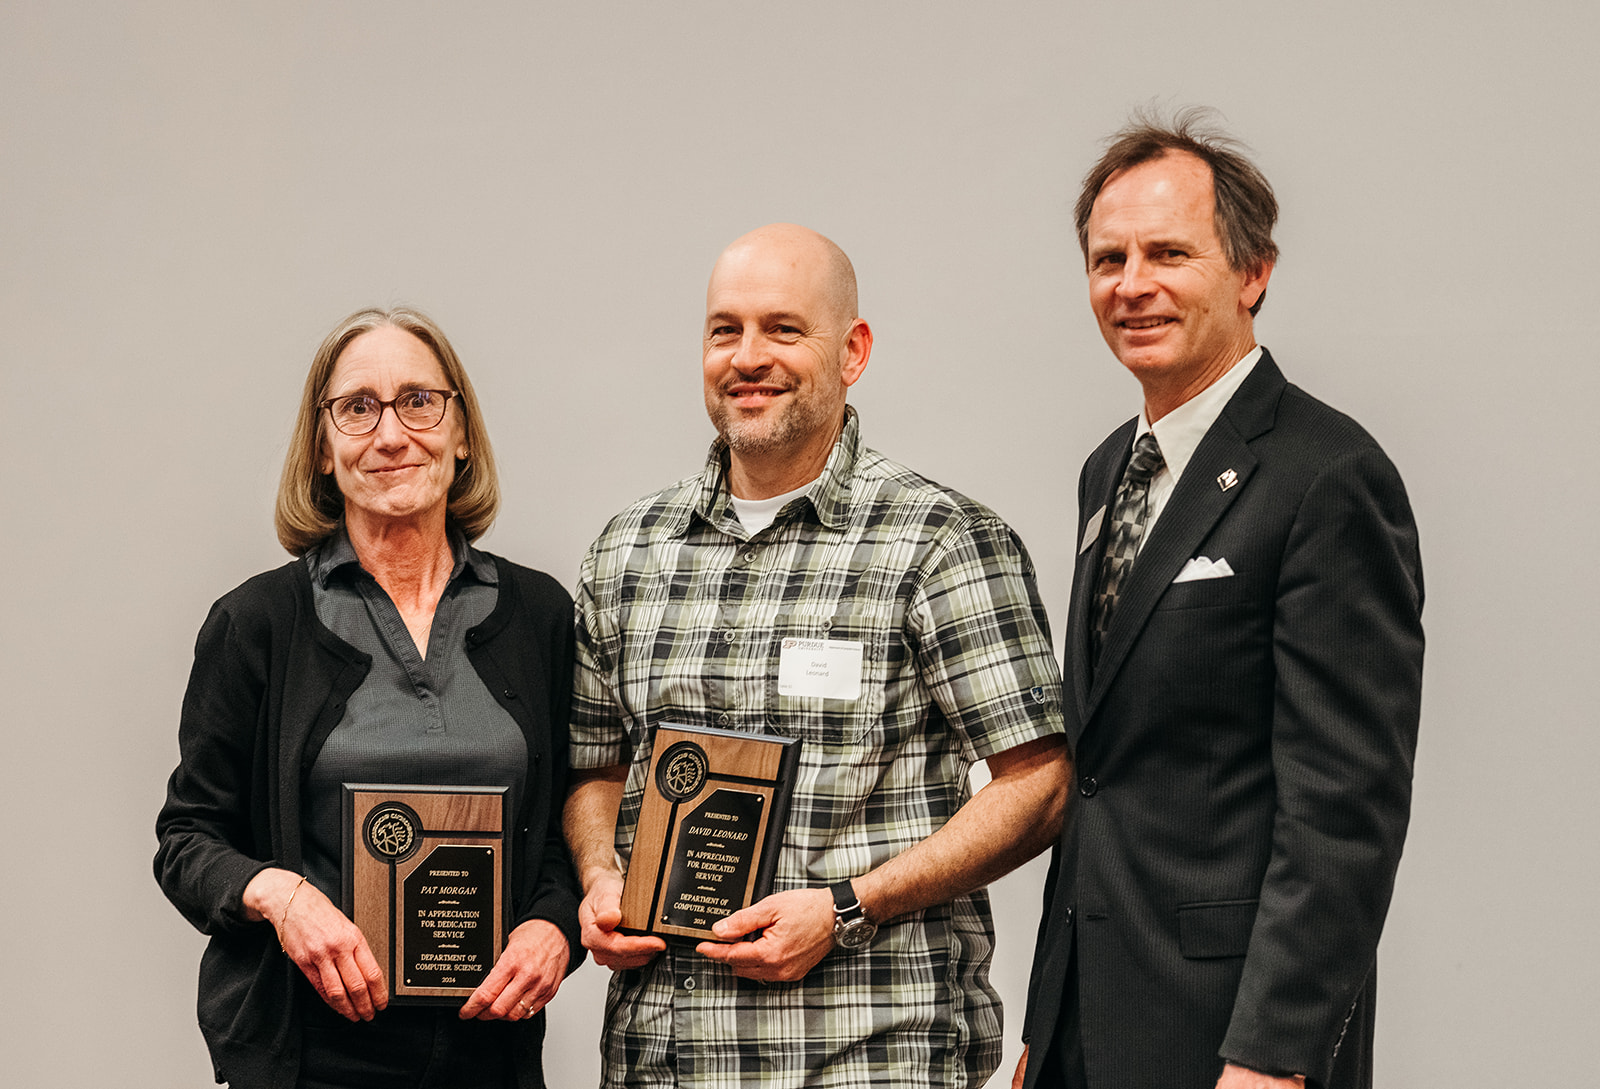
[1227, 479]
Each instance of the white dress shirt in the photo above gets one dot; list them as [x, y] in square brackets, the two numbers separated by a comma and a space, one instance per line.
[1179, 433]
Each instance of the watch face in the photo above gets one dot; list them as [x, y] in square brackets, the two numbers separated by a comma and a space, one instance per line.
[855, 933]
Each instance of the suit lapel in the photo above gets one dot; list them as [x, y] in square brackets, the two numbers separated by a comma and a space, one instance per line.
[1101, 476]
[1192, 511]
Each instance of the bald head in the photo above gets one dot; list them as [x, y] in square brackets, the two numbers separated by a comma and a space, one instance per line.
[782, 344]
[803, 257]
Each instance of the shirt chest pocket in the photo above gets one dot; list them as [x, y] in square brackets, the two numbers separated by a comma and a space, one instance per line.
[815, 648]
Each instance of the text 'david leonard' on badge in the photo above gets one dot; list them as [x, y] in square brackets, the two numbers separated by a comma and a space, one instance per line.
[825, 668]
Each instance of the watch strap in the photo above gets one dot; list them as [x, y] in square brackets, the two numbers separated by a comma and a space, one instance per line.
[846, 904]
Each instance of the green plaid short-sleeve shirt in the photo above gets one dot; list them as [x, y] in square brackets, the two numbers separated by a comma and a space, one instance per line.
[681, 616]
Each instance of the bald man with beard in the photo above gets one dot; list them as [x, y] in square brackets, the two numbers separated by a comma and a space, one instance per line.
[868, 963]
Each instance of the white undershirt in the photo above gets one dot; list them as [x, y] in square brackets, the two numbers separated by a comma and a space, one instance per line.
[1179, 433]
[756, 515]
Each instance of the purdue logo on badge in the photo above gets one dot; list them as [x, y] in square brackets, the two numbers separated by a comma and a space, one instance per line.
[682, 771]
[392, 833]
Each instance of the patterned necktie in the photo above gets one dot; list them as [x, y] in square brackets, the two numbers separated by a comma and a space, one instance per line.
[1128, 520]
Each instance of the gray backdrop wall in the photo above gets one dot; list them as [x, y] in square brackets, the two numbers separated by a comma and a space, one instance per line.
[191, 194]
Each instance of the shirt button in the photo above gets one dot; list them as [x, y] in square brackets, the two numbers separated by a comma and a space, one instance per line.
[727, 635]
[723, 719]
[688, 983]
[1087, 786]
[749, 557]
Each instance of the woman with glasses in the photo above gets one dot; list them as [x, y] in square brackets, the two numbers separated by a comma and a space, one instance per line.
[390, 651]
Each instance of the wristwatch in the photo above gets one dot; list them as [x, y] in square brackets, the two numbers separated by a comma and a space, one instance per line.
[851, 927]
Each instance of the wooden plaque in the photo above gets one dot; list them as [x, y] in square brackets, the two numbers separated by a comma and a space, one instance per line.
[710, 828]
[427, 874]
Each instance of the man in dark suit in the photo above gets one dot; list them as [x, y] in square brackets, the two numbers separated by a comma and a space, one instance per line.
[1245, 647]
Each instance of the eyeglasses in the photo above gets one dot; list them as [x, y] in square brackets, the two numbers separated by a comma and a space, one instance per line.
[418, 409]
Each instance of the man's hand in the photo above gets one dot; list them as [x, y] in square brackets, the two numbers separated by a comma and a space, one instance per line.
[590, 821]
[796, 932]
[1239, 1077]
[599, 914]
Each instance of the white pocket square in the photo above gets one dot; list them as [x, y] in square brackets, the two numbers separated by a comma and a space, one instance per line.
[1202, 568]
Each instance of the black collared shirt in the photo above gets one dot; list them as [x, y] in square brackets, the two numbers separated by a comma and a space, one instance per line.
[413, 720]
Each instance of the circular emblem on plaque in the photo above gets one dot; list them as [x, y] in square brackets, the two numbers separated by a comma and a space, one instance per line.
[392, 832]
[682, 771]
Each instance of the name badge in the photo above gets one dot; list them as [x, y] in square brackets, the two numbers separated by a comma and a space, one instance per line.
[829, 668]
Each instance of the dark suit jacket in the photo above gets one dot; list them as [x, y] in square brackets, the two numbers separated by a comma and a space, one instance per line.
[1244, 751]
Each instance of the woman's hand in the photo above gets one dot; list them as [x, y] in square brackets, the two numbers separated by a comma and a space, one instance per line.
[526, 976]
[321, 940]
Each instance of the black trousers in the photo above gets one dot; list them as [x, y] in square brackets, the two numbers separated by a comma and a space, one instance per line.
[415, 1047]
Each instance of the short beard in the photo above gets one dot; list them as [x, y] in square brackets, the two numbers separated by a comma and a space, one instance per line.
[791, 427]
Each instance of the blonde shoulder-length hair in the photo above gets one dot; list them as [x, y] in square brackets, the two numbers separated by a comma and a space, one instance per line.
[310, 505]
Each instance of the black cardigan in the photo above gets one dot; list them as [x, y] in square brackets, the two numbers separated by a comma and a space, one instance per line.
[268, 686]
